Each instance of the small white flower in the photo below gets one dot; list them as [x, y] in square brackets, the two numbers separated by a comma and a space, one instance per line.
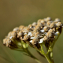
[32, 37]
[41, 40]
[57, 20]
[48, 18]
[41, 30]
[31, 41]
[57, 33]
[34, 23]
[9, 41]
[16, 29]
[25, 33]
[58, 24]
[20, 34]
[11, 37]
[29, 33]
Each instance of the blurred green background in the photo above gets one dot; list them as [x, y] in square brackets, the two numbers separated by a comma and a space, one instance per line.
[14, 13]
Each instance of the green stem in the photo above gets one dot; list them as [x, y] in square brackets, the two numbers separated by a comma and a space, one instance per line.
[32, 56]
[47, 56]
[48, 59]
[37, 61]
[50, 55]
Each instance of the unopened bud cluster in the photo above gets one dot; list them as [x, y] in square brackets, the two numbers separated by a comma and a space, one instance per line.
[43, 31]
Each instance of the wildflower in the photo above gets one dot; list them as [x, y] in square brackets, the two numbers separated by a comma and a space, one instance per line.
[57, 20]
[16, 29]
[43, 32]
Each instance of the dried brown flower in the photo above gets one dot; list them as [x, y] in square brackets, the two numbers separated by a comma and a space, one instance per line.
[44, 30]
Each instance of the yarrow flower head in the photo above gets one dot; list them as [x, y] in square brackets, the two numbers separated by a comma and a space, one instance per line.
[44, 31]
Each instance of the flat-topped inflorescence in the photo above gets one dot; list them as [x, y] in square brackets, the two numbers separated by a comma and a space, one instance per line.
[43, 31]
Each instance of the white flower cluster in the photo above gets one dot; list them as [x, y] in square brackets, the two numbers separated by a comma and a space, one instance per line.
[44, 30]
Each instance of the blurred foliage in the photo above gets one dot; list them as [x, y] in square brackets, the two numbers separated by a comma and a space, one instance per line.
[23, 12]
